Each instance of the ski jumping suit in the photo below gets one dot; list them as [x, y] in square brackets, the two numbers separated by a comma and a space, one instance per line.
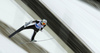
[36, 27]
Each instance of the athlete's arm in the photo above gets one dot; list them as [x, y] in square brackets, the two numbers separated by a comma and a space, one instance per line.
[43, 27]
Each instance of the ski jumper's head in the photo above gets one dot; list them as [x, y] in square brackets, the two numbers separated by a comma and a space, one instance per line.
[44, 22]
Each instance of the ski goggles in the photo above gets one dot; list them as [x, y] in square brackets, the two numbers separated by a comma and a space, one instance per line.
[43, 23]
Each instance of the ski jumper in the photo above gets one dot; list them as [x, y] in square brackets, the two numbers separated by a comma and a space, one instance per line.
[36, 27]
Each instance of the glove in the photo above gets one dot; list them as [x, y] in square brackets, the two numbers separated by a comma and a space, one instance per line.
[27, 23]
[40, 30]
[30, 21]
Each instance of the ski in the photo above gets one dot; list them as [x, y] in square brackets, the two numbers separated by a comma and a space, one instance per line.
[44, 40]
[38, 41]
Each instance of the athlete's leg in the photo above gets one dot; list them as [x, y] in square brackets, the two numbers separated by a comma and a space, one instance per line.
[20, 29]
[33, 35]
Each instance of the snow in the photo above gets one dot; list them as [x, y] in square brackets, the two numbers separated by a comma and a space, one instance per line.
[83, 20]
[15, 17]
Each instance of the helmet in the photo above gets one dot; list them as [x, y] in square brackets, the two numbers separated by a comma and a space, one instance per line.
[44, 22]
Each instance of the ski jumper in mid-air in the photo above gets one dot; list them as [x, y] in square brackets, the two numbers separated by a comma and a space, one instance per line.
[36, 25]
